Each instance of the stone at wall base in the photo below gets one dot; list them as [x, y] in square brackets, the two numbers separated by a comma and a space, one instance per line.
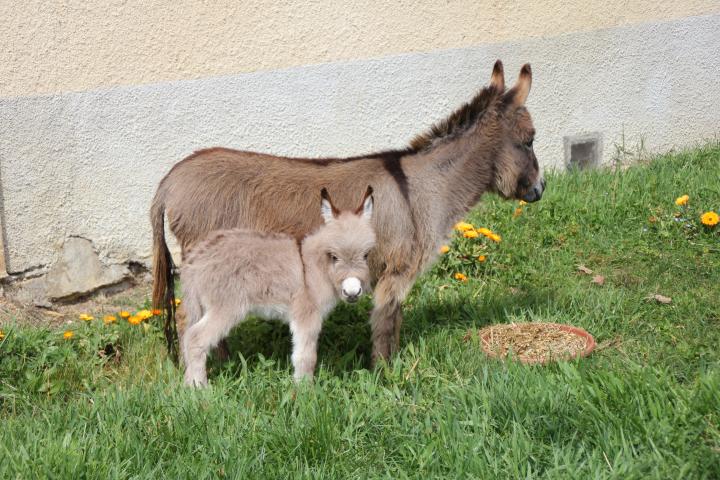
[77, 273]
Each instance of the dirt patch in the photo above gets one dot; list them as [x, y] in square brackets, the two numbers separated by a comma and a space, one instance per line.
[131, 299]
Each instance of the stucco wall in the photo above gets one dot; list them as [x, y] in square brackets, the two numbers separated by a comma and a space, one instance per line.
[85, 164]
[70, 45]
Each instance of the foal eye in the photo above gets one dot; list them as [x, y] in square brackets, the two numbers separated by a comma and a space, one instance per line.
[365, 257]
[333, 258]
[530, 143]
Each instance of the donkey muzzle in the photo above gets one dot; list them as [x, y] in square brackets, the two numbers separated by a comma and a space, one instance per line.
[351, 289]
[536, 192]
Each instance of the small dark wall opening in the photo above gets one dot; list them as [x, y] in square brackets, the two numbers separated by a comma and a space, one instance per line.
[583, 151]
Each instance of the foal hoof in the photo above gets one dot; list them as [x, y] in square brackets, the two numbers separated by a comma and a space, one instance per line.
[196, 383]
[308, 379]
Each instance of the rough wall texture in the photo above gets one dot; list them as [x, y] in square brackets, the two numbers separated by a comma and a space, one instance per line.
[63, 45]
[86, 164]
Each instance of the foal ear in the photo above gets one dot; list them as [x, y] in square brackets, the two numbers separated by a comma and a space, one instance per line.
[366, 208]
[497, 79]
[327, 209]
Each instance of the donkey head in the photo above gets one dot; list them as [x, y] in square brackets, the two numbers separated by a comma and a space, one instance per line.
[347, 237]
[517, 172]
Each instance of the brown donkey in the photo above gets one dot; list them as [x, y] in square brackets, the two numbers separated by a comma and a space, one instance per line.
[484, 146]
[233, 273]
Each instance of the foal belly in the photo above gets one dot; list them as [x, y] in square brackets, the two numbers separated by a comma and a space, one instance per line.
[271, 312]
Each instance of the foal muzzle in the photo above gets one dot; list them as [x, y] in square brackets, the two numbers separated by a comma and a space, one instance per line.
[351, 289]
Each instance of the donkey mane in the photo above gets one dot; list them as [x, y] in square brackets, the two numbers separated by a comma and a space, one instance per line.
[459, 121]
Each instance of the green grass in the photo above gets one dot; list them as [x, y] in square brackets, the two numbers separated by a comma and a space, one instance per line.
[645, 405]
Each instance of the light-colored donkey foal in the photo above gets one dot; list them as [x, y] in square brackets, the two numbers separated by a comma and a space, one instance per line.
[234, 273]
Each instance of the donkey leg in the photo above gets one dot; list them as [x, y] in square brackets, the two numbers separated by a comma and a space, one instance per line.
[305, 331]
[386, 317]
[197, 342]
[223, 350]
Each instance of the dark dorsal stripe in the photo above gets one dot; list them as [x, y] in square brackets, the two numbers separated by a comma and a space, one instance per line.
[390, 160]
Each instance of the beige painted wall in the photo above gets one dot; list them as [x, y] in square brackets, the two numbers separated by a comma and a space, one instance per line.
[70, 45]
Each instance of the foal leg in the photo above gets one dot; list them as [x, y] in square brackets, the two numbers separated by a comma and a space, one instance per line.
[197, 342]
[222, 350]
[386, 317]
[305, 330]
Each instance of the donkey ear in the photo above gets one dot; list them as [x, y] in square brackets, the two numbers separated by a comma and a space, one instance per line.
[366, 208]
[497, 79]
[523, 85]
[327, 209]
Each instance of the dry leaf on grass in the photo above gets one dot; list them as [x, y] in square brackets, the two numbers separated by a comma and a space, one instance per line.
[598, 280]
[584, 269]
[659, 298]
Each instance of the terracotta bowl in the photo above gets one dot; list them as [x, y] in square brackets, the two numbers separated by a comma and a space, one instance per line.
[494, 353]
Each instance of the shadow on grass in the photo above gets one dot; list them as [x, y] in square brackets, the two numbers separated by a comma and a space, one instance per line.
[345, 343]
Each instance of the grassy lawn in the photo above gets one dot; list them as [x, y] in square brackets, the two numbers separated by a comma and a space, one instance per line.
[645, 405]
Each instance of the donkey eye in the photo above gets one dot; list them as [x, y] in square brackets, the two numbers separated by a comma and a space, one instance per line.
[365, 257]
[530, 143]
[333, 258]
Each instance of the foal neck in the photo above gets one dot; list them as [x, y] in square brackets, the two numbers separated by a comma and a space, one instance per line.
[316, 282]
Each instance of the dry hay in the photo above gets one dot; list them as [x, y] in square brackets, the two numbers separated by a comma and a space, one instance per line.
[536, 342]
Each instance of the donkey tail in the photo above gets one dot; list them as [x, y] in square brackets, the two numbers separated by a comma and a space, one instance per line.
[163, 295]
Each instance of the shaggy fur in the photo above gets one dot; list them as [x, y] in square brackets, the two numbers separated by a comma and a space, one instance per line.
[420, 192]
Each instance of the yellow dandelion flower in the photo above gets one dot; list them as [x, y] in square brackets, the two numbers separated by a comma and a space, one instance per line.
[177, 302]
[109, 319]
[495, 237]
[68, 334]
[461, 277]
[144, 314]
[444, 249]
[481, 258]
[710, 219]
[484, 231]
[156, 311]
[523, 202]
[85, 317]
[463, 226]
[517, 212]
[124, 314]
[2, 334]
[470, 234]
[682, 201]
[135, 320]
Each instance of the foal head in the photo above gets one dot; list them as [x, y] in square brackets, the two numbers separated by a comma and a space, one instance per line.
[345, 241]
[517, 174]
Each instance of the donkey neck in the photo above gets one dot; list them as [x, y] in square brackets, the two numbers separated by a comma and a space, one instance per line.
[451, 177]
